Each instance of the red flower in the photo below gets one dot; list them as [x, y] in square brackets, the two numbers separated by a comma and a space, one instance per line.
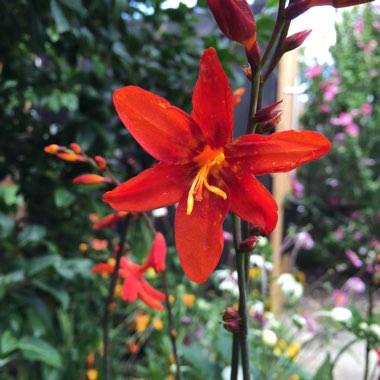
[91, 179]
[135, 286]
[202, 168]
[298, 7]
[109, 220]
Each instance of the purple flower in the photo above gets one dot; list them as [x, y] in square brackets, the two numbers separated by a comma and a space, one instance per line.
[368, 162]
[339, 234]
[297, 186]
[324, 108]
[353, 258]
[357, 236]
[355, 285]
[314, 72]
[227, 236]
[359, 26]
[352, 130]
[367, 109]
[372, 73]
[340, 137]
[185, 320]
[333, 182]
[339, 297]
[310, 323]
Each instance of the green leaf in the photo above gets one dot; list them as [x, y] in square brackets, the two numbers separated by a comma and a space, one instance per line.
[38, 349]
[39, 264]
[59, 293]
[60, 19]
[8, 343]
[63, 198]
[31, 235]
[74, 5]
[6, 226]
[72, 268]
[325, 370]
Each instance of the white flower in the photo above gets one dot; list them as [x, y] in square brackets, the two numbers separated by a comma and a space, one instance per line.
[160, 212]
[299, 321]
[257, 260]
[341, 314]
[375, 330]
[226, 373]
[269, 337]
[363, 326]
[291, 289]
[262, 242]
[257, 308]
[229, 281]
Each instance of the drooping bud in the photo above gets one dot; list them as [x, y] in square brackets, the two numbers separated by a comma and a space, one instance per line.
[110, 220]
[52, 149]
[236, 20]
[75, 148]
[233, 325]
[91, 179]
[248, 244]
[298, 7]
[230, 313]
[295, 40]
[72, 157]
[100, 162]
[268, 117]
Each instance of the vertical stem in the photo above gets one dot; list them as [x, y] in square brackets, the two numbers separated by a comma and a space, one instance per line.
[235, 356]
[172, 330]
[369, 318]
[240, 266]
[109, 300]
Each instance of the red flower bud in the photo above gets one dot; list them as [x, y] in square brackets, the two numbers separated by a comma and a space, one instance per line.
[296, 40]
[70, 157]
[248, 244]
[298, 7]
[75, 148]
[236, 20]
[233, 325]
[100, 162]
[109, 220]
[268, 117]
[51, 149]
[91, 179]
[230, 313]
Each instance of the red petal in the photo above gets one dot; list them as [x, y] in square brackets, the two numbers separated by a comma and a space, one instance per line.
[157, 254]
[279, 152]
[151, 296]
[164, 131]
[130, 287]
[251, 201]
[102, 267]
[213, 101]
[160, 186]
[199, 236]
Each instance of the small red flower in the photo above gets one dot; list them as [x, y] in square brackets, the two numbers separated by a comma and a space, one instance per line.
[202, 168]
[109, 220]
[297, 7]
[91, 179]
[135, 286]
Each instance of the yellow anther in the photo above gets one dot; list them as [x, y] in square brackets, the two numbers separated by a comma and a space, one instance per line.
[202, 179]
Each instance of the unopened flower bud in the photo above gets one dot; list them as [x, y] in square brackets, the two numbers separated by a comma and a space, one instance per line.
[236, 20]
[248, 244]
[91, 179]
[233, 325]
[296, 40]
[51, 149]
[230, 313]
[72, 157]
[100, 162]
[75, 148]
[238, 93]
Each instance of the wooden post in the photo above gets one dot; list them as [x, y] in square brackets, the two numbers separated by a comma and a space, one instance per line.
[287, 74]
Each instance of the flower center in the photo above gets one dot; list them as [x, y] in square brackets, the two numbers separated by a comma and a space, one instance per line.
[207, 160]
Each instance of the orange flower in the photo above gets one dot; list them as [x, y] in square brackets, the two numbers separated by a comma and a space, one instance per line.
[202, 168]
[188, 300]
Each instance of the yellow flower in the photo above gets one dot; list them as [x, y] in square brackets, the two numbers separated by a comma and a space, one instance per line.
[188, 299]
[171, 298]
[295, 377]
[301, 277]
[293, 349]
[282, 344]
[92, 374]
[142, 322]
[83, 247]
[277, 351]
[158, 324]
[254, 272]
[118, 290]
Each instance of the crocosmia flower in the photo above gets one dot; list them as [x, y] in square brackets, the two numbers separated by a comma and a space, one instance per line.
[202, 168]
[134, 285]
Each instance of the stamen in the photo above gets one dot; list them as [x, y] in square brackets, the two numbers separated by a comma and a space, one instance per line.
[200, 180]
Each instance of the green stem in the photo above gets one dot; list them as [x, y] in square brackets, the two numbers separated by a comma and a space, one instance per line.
[255, 92]
[235, 357]
[109, 300]
[369, 318]
[341, 352]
